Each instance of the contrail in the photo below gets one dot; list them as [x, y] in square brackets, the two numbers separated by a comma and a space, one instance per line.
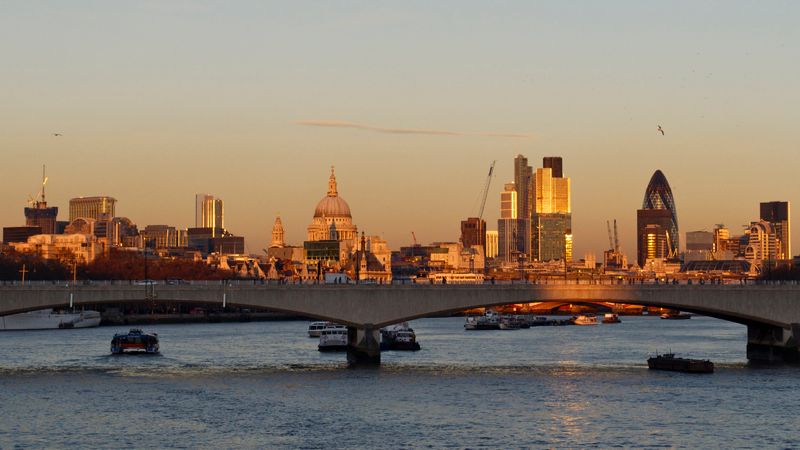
[358, 126]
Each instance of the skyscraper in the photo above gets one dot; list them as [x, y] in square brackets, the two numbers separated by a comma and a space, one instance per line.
[507, 248]
[473, 232]
[209, 213]
[551, 226]
[777, 213]
[523, 184]
[657, 222]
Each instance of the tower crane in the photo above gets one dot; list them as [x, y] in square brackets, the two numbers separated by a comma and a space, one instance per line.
[486, 190]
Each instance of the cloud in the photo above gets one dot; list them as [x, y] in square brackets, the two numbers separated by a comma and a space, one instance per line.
[359, 126]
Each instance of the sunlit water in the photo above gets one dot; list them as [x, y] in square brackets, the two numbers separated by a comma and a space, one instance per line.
[264, 385]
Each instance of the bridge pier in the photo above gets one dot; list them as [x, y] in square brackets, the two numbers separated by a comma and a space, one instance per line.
[363, 346]
[771, 344]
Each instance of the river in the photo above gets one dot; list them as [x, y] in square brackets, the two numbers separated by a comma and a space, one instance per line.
[264, 385]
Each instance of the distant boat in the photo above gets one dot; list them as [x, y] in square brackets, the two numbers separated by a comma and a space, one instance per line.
[333, 338]
[399, 337]
[611, 318]
[134, 340]
[316, 327]
[668, 361]
[586, 319]
[676, 316]
[47, 319]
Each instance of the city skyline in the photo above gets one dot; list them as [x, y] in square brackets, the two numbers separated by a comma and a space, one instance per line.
[201, 114]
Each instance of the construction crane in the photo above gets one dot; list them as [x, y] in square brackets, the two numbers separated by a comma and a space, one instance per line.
[414, 237]
[486, 190]
[610, 240]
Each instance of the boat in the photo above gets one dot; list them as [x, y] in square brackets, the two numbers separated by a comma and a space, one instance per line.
[48, 319]
[585, 319]
[399, 337]
[316, 327]
[611, 318]
[333, 338]
[134, 340]
[676, 316]
[668, 361]
[488, 321]
[509, 323]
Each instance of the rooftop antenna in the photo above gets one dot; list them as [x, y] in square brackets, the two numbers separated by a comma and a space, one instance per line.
[44, 183]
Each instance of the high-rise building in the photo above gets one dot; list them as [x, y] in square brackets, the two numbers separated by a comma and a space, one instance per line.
[523, 182]
[551, 226]
[91, 207]
[763, 243]
[657, 222]
[777, 213]
[491, 243]
[507, 248]
[209, 213]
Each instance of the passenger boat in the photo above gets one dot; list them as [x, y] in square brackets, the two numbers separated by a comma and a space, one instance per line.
[333, 338]
[399, 337]
[611, 318]
[669, 362]
[585, 319]
[676, 316]
[134, 340]
[316, 327]
[48, 319]
[509, 323]
[488, 321]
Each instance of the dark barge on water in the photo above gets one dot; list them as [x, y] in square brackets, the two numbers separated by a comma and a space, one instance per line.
[134, 341]
[668, 361]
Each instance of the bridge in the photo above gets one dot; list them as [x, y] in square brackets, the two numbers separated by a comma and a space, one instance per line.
[771, 313]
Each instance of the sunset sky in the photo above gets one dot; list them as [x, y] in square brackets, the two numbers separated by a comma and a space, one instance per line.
[411, 101]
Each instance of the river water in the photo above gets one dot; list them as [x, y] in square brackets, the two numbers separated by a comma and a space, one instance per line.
[264, 385]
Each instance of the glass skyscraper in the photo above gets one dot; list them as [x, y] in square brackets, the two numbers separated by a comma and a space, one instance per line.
[657, 222]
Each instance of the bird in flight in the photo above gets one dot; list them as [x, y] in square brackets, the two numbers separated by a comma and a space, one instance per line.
[57, 134]
[660, 130]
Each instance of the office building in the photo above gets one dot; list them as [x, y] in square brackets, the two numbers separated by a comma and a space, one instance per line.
[523, 184]
[91, 207]
[657, 222]
[491, 243]
[473, 232]
[507, 243]
[551, 227]
[20, 234]
[777, 213]
[699, 246]
[209, 213]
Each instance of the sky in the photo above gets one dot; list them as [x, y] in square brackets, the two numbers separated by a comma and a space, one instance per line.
[410, 101]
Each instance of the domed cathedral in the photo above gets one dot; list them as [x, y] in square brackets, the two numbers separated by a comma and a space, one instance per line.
[332, 218]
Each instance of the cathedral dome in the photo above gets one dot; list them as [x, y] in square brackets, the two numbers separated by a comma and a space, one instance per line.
[332, 205]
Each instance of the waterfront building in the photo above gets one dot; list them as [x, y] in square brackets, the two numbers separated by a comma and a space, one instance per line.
[777, 213]
[699, 246]
[277, 234]
[83, 247]
[91, 207]
[209, 213]
[333, 213]
[491, 243]
[657, 222]
[551, 223]
[160, 236]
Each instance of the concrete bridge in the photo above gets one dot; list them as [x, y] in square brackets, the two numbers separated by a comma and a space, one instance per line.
[771, 313]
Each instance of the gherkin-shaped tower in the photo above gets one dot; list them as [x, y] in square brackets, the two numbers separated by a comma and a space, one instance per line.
[657, 221]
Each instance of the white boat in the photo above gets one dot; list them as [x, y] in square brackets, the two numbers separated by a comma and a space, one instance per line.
[333, 338]
[587, 319]
[316, 327]
[47, 319]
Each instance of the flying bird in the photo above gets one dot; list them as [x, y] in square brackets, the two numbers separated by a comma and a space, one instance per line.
[57, 134]
[661, 130]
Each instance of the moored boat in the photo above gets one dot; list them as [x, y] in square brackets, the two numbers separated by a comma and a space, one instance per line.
[333, 338]
[611, 318]
[509, 323]
[134, 340]
[585, 319]
[399, 337]
[489, 321]
[315, 328]
[48, 319]
[676, 316]
[668, 361]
